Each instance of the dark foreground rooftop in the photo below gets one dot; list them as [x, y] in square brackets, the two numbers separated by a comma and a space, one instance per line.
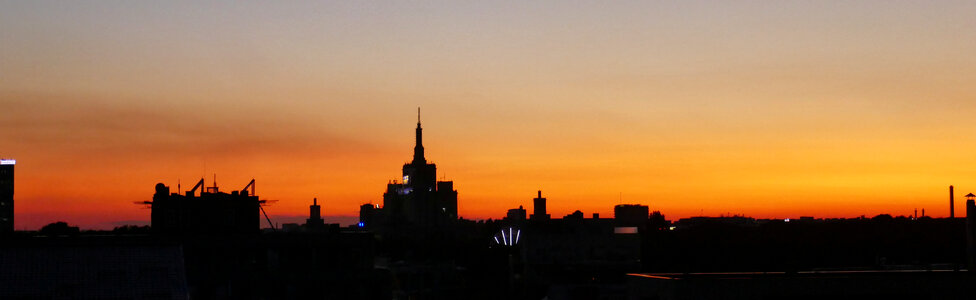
[41, 271]
[847, 284]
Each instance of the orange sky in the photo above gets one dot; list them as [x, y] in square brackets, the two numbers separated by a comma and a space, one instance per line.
[776, 109]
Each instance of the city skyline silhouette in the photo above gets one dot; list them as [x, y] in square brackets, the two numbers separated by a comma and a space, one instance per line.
[784, 110]
[208, 242]
[560, 150]
[353, 218]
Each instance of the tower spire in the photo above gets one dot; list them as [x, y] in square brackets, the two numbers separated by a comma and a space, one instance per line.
[418, 150]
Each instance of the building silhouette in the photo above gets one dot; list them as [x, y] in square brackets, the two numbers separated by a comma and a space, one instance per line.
[210, 212]
[7, 195]
[314, 215]
[631, 215]
[539, 208]
[575, 215]
[971, 231]
[516, 215]
[368, 213]
[419, 199]
[227, 256]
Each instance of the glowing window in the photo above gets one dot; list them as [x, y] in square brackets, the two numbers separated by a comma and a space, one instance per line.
[625, 230]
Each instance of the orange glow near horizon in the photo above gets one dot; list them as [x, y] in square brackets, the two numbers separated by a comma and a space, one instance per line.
[771, 111]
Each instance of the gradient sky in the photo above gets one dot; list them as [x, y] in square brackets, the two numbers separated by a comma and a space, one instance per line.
[769, 109]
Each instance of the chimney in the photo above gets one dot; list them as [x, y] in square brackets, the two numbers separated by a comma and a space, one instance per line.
[952, 205]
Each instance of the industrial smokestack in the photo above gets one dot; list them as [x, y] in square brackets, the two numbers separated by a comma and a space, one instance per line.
[952, 205]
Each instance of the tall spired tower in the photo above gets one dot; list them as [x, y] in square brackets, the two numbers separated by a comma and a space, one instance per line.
[418, 150]
[419, 199]
[419, 176]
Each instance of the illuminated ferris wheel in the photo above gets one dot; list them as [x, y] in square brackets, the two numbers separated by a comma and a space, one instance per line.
[508, 236]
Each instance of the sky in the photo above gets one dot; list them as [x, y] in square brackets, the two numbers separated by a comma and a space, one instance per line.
[769, 109]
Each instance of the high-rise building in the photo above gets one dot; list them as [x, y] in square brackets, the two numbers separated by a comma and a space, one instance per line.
[7, 195]
[314, 215]
[419, 199]
[539, 208]
[368, 213]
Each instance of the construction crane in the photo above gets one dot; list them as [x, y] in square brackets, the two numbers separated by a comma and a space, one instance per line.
[248, 190]
[195, 187]
[261, 203]
[148, 204]
[190, 193]
[249, 185]
[213, 189]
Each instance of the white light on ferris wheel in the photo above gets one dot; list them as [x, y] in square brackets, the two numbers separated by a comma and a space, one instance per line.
[508, 236]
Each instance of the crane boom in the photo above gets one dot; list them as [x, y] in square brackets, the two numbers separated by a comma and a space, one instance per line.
[249, 185]
[269, 219]
[195, 187]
